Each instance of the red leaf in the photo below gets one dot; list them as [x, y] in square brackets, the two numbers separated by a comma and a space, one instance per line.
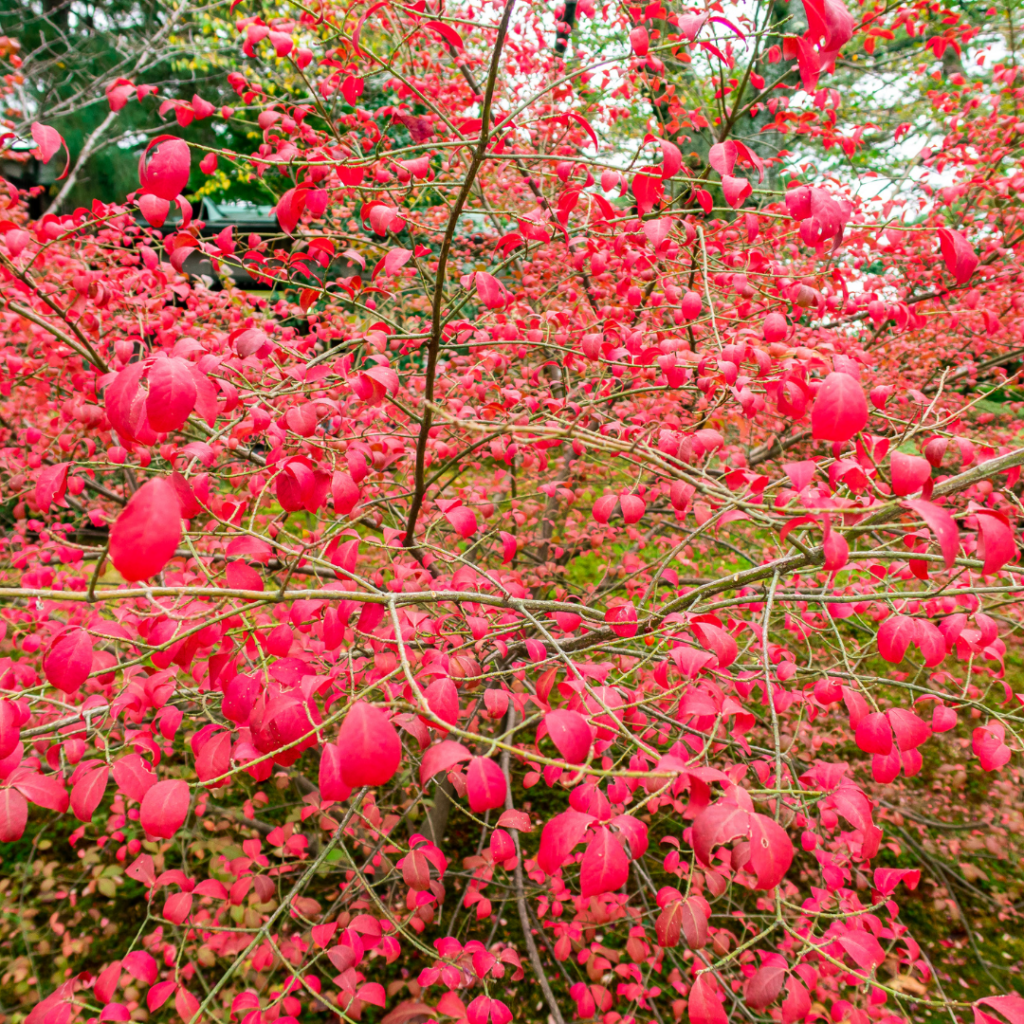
[605, 866]
[87, 793]
[714, 638]
[451, 37]
[146, 534]
[43, 790]
[909, 473]
[48, 141]
[622, 620]
[172, 394]
[442, 757]
[989, 746]
[829, 23]
[961, 260]
[214, 759]
[462, 520]
[513, 818]
[1011, 1006]
[874, 734]
[736, 190]
[604, 507]
[995, 541]
[840, 409]
[240, 576]
[639, 41]
[490, 290]
[797, 1004]
[165, 172]
[718, 823]
[864, 949]
[910, 729]
[141, 966]
[633, 508]
[165, 808]
[763, 986]
[771, 851]
[13, 815]
[836, 549]
[159, 994]
[69, 661]
[133, 776]
[704, 1006]
[942, 525]
[370, 748]
[558, 838]
[332, 785]
[485, 785]
[51, 486]
[570, 733]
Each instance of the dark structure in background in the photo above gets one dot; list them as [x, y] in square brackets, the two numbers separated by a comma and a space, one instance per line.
[25, 172]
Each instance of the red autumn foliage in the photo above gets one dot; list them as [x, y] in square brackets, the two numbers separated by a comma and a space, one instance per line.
[633, 595]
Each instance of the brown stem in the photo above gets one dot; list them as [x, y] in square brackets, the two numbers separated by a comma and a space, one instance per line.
[524, 917]
[434, 346]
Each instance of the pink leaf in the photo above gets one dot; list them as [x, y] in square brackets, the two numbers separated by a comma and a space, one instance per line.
[840, 409]
[13, 815]
[69, 661]
[764, 985]
[864, 949]
[441, 757]
[771, 851]
[736, 190]
[87, 793]
[604, 507]
[133, 776]
[605, 866]
[332, 785]
[633, 508]
[639, 41]
[509, 547]
[995, 541]
[622, 620]
[345, 491]
[141, 966]
[829, 23]
[490, 290]
[165, 172]
[172, 394]
[146, 534]
[485, 785]
[513, 818]
[48, 142]
[165, 808]
[159, 994]
[961, 260]
[874, 734]
[370, 748]
[836, 549]
[462, 520]
[452, 38]
[51, 486]
[909, 473]
[989, 746]
[704, 1006]
[910, 729]
[714, 638]
[570, 733]
[559, 837]
[942, 524]
[718, 823]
